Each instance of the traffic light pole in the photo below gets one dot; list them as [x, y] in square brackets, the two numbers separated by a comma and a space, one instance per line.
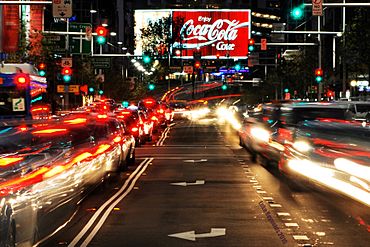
[320, 89]
[66, 93]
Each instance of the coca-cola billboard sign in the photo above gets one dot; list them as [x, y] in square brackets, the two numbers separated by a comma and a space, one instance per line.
[212, 32]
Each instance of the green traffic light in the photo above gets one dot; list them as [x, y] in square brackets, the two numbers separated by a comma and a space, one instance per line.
[146, 59]
[42, 73]
[286, 90]
[151, 86]
[237, 67]
[297, 13]
[101, 92]
[101, 40]
[67, 78]
[91, 89]
[224, 87]
[318, 79]
[251, 48]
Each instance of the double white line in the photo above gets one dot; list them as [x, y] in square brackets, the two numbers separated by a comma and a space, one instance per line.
[108, 206]
[163, 137]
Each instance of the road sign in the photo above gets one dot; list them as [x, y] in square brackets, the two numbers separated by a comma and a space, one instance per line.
[18, 104]
[61, 88]
[101, 62]
[253, 59]
[62, 8]
[188, 69]
[317, 7]
[55, 43]
[80, 44]
[263, 44]
[74, 88]
[66, 62]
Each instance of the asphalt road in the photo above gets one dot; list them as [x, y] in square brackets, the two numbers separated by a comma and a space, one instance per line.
[195, 186]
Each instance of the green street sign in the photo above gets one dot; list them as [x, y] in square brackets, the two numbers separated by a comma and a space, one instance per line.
[79, 44]
[101, 62]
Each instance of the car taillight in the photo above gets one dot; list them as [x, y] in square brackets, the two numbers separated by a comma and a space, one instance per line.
[134, 129]
[154, 118]
[117, 139]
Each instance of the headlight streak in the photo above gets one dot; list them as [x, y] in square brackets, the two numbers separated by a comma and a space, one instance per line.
[260, 134]
[325, 176]
[302, 146]
[228, 115]
[352, 168]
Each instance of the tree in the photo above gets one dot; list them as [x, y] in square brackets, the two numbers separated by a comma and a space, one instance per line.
[355, 45]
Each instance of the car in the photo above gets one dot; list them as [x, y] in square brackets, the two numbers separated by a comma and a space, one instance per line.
[330, 153]
[47, 167]
[265, 133]
[136, 123]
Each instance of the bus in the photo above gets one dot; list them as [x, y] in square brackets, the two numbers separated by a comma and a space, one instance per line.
[22, 92]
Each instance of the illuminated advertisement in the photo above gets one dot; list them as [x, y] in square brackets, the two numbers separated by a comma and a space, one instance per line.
[214, 33]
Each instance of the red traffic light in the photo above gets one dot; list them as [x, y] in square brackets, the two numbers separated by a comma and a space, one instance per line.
[66, 71]
[251, 41]
[42, 66]
[218, 55]
[197, 64]
[21, 79]
[101, 31]
[319, 72]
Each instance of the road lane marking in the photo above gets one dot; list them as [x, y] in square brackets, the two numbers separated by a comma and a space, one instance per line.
[291, 224]
[163, 137]
[108, 211]
[101, 208]
[300, 237]
[197, 182]
[275, 205]
[283, 214]
[192, 236]
[268, 198]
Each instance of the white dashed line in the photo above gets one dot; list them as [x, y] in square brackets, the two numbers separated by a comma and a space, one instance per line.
[300, 237]
[261, 192]
[268, 198]
[283, 214]
[290, 224]
[275, 205]
[253, 181]
[257, 186]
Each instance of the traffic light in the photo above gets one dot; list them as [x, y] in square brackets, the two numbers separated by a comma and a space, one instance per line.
[197, 64]
[237, 67]
[146, 58]
[297, 12]
[91, 90]
[67, 72]
[151, 86]
[224, 86]
[251, 45]
[101, 92]
[286, 90]
[22, 79]
[42, 69]
[319, 75]
[101, 35]
[218, 55]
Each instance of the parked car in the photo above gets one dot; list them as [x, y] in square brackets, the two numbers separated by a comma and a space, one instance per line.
[331, 153]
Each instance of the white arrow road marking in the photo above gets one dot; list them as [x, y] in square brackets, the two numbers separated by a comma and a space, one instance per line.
[215, 232]
[197, 182]
[195, 161]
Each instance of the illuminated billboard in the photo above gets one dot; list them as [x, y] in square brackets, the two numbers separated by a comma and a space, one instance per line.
[221, 32]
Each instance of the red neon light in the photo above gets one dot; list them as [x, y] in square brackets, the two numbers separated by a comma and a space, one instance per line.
[49, 131]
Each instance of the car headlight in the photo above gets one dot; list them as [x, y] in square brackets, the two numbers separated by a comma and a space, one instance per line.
[302, 146]
[260, 134]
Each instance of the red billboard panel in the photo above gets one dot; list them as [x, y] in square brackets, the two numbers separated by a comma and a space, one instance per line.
[212, 32]
[10, 30]
[36, 19]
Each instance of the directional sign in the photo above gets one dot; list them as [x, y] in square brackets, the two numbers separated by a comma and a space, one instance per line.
[198, 182]
[18, 104]
[61, 89]
[317, 7]
[62, 8]
[215, 232]
[66, 62]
